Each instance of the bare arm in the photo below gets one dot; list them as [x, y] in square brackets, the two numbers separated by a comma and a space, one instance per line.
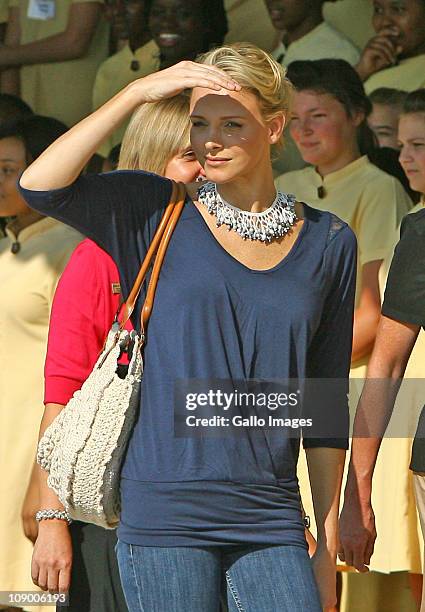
[366, 315]
[325, 467]
[30, 506]
[64, 160]
[52, 557]
[10, 79]
[393, 346]
[70, 44]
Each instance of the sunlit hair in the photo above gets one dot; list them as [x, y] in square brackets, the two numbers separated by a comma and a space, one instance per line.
[257, 72]
[156, 133]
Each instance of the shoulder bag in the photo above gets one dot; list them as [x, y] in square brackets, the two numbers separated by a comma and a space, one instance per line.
[84, 447]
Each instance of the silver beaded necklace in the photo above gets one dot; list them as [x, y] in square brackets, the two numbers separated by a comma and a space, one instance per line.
[273, 222]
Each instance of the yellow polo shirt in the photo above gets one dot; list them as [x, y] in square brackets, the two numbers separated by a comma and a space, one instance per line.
[249, 21]
[115, 73]
[371, 201]
[28, 280]
[60, 89]
[351, 17]
[323, 41]
[408, 75]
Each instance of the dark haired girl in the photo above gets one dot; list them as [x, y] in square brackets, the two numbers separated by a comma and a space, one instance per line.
[329, 128]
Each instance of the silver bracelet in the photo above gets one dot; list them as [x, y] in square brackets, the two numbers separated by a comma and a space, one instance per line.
[62, 515]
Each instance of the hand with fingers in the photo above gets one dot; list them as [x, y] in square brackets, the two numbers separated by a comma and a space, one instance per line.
[184, 75]
[357, 533]
[380, 52]
[70, 153]
[52, 557]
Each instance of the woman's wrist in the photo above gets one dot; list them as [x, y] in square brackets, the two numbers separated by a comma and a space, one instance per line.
[359, 485]
[54, 525]
[134, 94]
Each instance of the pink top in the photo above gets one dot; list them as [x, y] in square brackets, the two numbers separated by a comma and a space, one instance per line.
[84, 306]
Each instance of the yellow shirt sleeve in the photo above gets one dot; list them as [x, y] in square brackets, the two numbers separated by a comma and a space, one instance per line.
[249, 21]
[378, 218]
[351, 17]
[114, 74]
[408, 75]
[61, 89]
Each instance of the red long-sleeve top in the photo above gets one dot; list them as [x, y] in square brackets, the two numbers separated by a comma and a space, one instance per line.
[85, 302]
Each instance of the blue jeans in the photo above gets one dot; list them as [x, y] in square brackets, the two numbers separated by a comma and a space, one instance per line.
[195, 579]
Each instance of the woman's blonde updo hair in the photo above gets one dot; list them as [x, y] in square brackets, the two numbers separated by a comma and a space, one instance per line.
[156, 133]
[257, 72]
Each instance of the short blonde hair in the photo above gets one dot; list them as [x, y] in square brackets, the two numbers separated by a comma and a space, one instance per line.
[157, 132]
[257, 72]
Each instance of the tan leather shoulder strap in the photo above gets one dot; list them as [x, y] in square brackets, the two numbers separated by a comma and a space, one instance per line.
[169, 219]
[128, 306]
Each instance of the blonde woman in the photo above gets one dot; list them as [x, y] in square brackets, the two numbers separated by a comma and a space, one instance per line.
[85, 303]
[268, 298]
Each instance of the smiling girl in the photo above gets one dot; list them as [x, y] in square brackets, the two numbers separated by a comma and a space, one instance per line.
[329, 128]
[267, 295]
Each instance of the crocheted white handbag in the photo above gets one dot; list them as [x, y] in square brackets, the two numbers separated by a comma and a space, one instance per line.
[84, 447]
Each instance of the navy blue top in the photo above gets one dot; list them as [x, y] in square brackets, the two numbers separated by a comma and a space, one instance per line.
[216, 318]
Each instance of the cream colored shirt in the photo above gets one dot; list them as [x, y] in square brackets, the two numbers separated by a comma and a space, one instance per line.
[371, 201]
[351, 17]
[322, 42]
[249, 21]
[28, 281]
[408, 75]
[115, 73]
[60, 89]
